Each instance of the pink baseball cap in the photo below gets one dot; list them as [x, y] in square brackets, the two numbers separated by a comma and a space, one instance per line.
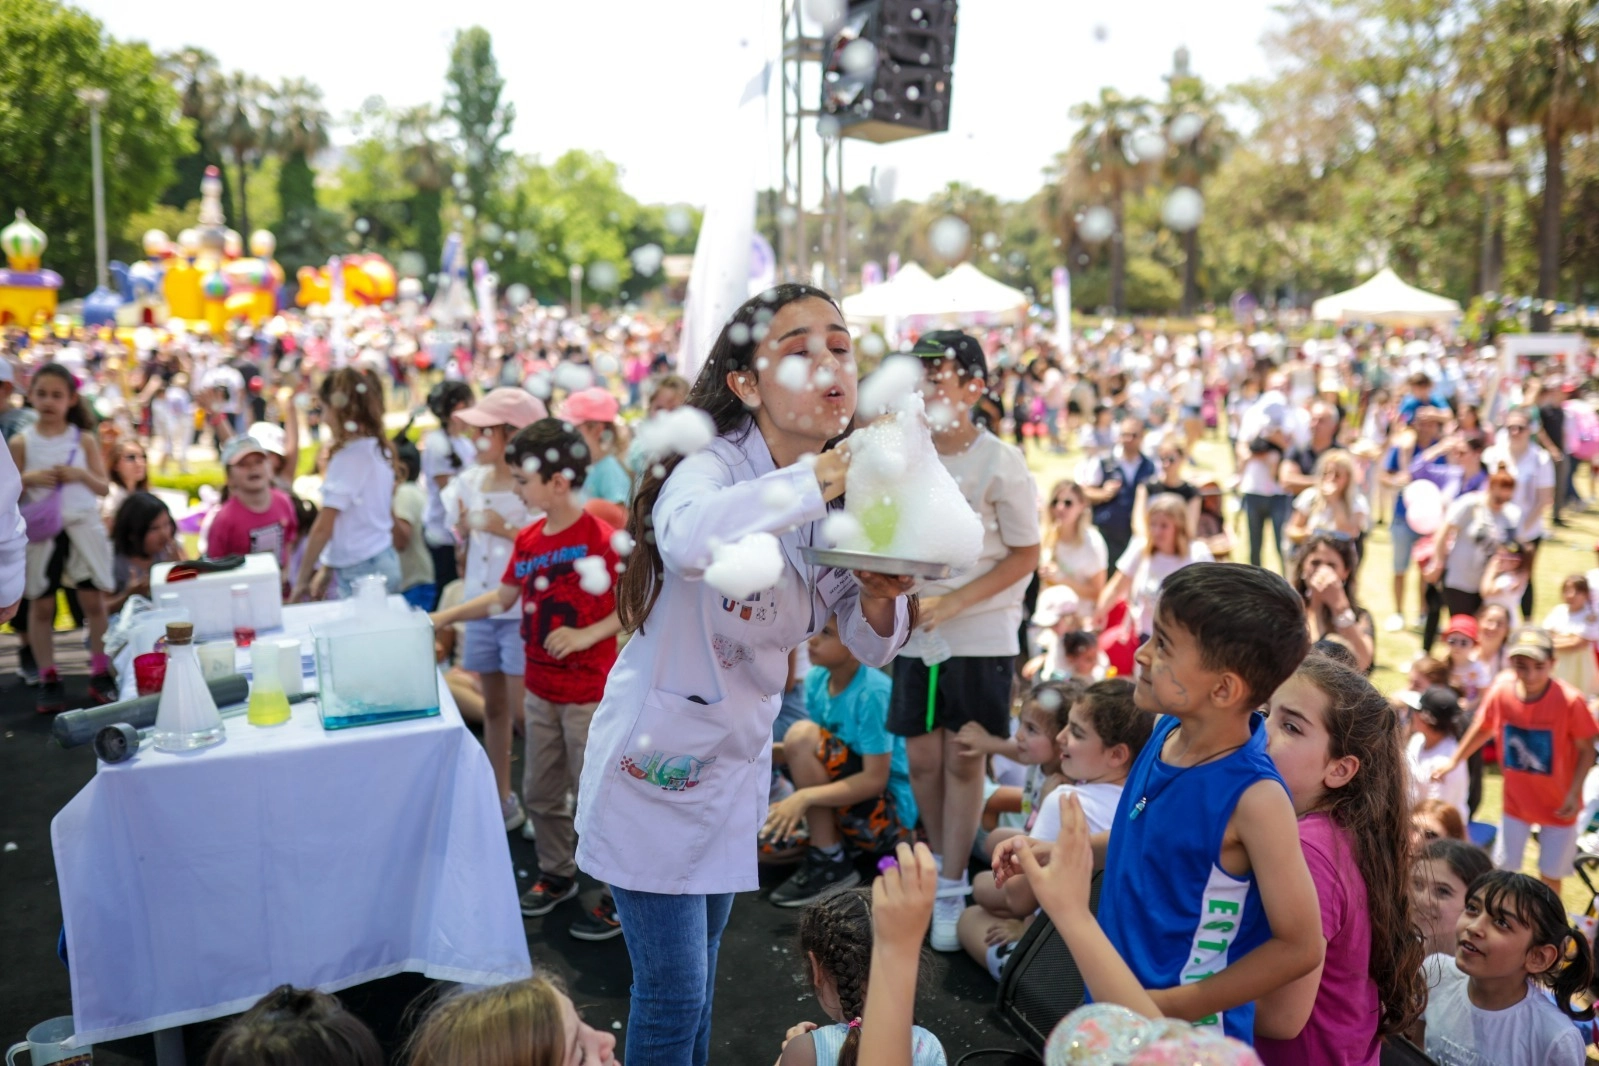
[590, 405]
[504, 407]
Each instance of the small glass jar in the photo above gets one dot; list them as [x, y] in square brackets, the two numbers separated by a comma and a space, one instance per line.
[243, 616]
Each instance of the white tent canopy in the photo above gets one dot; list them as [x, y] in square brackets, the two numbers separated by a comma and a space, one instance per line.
[1386, 299]
[965, 294]
[910, 291]
[968, 291]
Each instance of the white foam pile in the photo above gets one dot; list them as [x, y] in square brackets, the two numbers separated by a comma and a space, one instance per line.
[746, 566]
[899, 501]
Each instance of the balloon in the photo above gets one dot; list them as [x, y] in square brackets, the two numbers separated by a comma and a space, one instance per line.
[1424, 507]
[263, 244]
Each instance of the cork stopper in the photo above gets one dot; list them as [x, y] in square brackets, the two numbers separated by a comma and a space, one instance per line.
[180, 632]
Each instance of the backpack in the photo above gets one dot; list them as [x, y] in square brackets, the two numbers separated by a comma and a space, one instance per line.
[1040, 983]
[1582, 431]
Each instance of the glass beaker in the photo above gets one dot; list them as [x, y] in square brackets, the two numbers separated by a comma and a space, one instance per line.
[186, 717]
[268, 703]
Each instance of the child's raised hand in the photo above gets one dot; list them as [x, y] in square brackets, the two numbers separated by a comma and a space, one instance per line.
[902, 899]
[1063, 886]
[971, 739]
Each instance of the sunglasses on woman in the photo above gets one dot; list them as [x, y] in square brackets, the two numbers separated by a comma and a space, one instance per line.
[1065, 502]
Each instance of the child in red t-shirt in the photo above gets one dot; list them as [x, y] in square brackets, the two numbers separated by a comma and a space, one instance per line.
[562, 567]
[256, 516]
[1546, 743]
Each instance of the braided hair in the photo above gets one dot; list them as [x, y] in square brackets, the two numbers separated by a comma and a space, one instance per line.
[836, 931]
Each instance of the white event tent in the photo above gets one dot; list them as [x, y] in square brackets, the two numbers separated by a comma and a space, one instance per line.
[1384, 298]
[964, 296]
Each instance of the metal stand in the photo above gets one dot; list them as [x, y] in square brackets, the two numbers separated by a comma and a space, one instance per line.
[802, 64]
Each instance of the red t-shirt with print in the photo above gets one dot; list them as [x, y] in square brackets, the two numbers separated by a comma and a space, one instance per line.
[550, 571]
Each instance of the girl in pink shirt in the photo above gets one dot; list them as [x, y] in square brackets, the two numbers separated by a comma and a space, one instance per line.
[1327, 726]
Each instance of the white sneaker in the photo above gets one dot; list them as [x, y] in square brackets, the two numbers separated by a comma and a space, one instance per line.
[527, 829]
[511, 807]
[1395, 623]
[946, 915]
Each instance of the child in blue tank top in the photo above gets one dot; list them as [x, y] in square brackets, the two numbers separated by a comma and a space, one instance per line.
[1206, 894]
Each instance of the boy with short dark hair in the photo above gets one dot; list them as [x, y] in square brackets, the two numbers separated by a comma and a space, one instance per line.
[1206, 893]
[562, 567]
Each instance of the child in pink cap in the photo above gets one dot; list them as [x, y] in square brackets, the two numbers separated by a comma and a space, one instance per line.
[593, 412]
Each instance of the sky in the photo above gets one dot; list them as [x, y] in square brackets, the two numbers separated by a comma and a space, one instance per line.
[653, 85]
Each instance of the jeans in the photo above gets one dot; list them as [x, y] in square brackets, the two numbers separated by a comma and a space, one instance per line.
[1257, 509]
[1562, 465]
[672, 942]
[385, 562]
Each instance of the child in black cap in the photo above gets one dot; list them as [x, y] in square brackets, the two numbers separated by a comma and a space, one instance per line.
[1434, 736]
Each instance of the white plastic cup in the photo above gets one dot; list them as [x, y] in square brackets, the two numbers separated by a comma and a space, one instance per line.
[216, 659]
[289, 667]
[44, 1045]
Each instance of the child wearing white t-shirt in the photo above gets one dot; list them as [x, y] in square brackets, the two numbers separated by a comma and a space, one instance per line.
[1103, 735]
[1434, 719]
[353, 535]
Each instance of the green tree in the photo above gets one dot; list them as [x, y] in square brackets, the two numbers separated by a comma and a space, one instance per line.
[51, 51]
[243, 123]
[1200, 140]
[196, 75]
[427, 165]
[482, 119]
[1102, 167]
[299, 131]
[571, 211]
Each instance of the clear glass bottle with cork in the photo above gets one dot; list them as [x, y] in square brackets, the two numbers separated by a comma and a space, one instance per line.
[186, 717]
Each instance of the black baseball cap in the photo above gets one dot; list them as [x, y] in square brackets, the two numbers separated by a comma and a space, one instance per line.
[1439, 706]
[953, 344]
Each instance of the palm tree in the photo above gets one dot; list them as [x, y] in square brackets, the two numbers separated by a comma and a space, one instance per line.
[1556, 48]
[196, 76]
[1200, 140]
[1107, 170]
[1490, 73]
[427, 167]
[243, 123]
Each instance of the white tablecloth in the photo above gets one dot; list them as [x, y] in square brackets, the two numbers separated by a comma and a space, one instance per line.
[193, 884]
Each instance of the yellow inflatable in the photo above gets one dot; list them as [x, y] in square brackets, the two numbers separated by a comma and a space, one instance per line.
[368, 280]
[27, 290]
[205, 278]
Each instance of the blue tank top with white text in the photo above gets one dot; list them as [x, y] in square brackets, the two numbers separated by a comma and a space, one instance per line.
[1165, 902]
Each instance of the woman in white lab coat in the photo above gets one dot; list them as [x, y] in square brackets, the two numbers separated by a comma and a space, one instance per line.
[676, 776]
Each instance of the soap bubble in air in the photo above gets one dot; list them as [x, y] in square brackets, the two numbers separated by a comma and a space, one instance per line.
[573, 377]
[1185, 127]
[872, 345]
[1101, 32]
[749, 565]
[1096, 225]
[882, 391]
[1147, 146]
[779, 496]
[859, 57]
[825, 13]
[594, 577]
[843, 531]
[622, 543]
[646, 259]
[604, 276]
[518, 295]
[683, 431]
[949, 237]
[678, 221]
[794, 372]
[1183, 209]
[1048, 700]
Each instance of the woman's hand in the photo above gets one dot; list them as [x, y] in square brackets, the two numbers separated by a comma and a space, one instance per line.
[832, 471]
[1326, 590]
[883, 586]
[785, 815]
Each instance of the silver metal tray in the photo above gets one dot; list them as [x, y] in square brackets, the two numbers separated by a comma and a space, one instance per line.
[876, 564]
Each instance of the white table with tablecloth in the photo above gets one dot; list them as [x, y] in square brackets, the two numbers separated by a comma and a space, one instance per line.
[192, 884]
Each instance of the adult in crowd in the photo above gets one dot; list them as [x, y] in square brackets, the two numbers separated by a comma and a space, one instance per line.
[1298, 470]
[1546, 405]
[1265, 436]
[1334, 504]
[1073, 550]
[1169, 460]
[447, 450]
[1113, 487]
[129, 472]
[1416, 455]
[1518, 453]
[1149, 560]
[1476, 526]
[1324, 577]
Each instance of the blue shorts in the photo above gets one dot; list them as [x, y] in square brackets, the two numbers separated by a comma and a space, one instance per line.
[494, 646]
[1192, 410]
[1404, 539]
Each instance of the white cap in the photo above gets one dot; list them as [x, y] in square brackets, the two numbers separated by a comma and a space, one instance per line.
[270, 437]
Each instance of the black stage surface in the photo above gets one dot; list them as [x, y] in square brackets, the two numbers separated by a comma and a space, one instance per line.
[761, 988]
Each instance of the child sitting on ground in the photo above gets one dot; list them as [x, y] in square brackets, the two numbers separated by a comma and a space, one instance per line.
[1058, 616]
[852, 783]
[296, 1025]
[1103, 734]
[513, 1024]
[1206, 826]
[1043, 717]
[837, 942]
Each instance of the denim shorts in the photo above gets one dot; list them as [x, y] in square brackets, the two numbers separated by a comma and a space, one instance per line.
[385, 563]
[1404, 539]
[494, 646]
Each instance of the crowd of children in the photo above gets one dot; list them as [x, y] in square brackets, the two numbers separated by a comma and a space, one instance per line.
[1280, 847]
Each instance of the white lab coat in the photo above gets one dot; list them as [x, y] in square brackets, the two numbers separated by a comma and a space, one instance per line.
[674, 789]
[13, 532]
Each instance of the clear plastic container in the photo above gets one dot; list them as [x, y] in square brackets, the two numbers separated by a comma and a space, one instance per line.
[375, 664]
[243, 616]
[186, 717]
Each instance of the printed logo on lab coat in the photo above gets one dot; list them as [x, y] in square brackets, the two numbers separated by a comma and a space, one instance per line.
[668, 771]
[759, 610]
[730, 652]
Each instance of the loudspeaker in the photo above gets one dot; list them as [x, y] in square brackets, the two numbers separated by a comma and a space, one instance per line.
[1040, 983]
[900, 86]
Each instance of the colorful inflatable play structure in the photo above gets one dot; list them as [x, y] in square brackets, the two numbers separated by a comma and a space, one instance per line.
[361, 280]
[27, 290]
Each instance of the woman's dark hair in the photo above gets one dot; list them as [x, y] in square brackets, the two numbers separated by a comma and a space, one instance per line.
[444, 400]
[1372, 811]
[1504, 895]
[407, 457]
[1348, 554]
[837, 930]
[296, 1027]
[134, 519]
[640, 584]
[1465, 860]
[78, 414]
